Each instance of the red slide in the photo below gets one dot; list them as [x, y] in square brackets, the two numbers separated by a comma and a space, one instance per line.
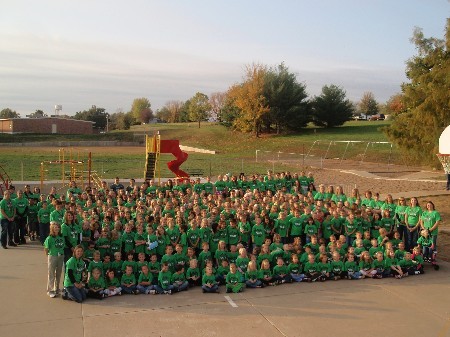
[173, 146]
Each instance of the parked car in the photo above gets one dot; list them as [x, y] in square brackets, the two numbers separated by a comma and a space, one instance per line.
[360, 117]
[377, 117]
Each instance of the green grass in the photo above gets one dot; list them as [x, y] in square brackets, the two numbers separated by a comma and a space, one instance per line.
[236, 152]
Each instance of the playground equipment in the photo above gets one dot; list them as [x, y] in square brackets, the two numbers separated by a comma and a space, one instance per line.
[154, 147]
[5, 181]
[73, 168]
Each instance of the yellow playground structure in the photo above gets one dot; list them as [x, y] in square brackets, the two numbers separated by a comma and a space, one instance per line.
[75, 166]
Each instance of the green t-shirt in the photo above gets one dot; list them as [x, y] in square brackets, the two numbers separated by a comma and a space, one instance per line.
[145, 278]
[337, 266]
[259, 234]
[311, 267]
[95, 264]
[113, 283]
[211, 279]
[351, 266]
[128, 241]
[406, 263]
[96, 284]
[57, 216]
[21, 205]
[8, 207]
[128, 279]
[44, 215]
[413, 214]
[77, 267]
[295, 268]
[164, 279]
[233, 278]
[55, 245]
[280, 270]
[429, 218]
[72, 233]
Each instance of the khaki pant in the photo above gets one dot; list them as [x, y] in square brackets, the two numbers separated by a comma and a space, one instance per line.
[55, 265]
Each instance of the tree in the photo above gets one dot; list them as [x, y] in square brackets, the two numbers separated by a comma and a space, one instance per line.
[8, 113]
[286, 99]
[172, 111]
[37, 114]
[199, 108]
[229, 112]
[94, 114]
[331, 108]
[368, 105]
[217, 102]
[121, 120]
[426, 97]
[141, 110]
[248, 97]
[395, 105]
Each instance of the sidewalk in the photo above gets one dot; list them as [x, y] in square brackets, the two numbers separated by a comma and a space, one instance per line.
[414, 306]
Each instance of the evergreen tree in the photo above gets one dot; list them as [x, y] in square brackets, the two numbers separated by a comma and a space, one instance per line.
[426, 98]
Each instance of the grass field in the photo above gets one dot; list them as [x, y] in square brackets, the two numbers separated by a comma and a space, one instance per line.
[236, 152]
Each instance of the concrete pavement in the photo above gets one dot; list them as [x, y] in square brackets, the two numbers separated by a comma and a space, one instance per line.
[414, 306]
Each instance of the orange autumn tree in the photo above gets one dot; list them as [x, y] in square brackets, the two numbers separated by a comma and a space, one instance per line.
[248, 97]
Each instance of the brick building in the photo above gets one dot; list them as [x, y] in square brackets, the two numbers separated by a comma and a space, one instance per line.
[53, 125]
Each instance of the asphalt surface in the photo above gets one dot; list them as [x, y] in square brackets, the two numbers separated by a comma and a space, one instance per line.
[413, 306]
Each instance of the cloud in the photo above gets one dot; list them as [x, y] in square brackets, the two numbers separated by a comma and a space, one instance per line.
[38, 72]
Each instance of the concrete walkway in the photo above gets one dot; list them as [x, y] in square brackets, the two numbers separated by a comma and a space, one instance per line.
[414, 306]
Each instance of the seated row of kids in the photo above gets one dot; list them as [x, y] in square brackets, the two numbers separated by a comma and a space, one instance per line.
[171, 240]
[279, 265]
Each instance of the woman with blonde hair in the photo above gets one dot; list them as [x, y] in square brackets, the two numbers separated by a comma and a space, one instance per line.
[54, 250]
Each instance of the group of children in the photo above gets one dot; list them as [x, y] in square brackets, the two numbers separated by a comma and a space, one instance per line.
[166, 239]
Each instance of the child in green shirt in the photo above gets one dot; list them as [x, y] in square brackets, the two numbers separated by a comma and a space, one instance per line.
[96, 284]
[164, 285]
[179, 279]
[209, 283]
[233, 280]
[128, 281]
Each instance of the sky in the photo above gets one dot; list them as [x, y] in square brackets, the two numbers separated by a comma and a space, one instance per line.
[107, 53]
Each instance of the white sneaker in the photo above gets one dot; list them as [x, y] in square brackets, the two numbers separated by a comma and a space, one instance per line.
[152, 292]
[52, 294]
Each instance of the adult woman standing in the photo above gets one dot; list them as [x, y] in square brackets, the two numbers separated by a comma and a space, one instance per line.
[400, 218]
[430, 220]
[412, 217]
[54, 249]
[7, 214]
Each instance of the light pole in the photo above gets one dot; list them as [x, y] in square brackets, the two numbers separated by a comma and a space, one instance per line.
[107, 122]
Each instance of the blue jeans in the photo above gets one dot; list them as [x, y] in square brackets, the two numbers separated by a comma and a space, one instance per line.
[349, 240]
[402, 231]
[145, 289]
[79, 295]
[7, 231]
[128, 290]
[182, 286]
[44, 230]
[212, 289]
[161, 290]
[255, 284]
[355, 275]
[411, 239]
[297, 277]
